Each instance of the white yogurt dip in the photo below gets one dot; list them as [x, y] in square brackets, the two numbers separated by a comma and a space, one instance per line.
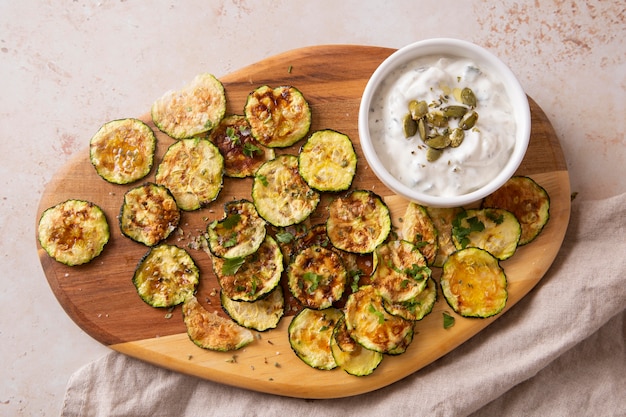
[485, 149]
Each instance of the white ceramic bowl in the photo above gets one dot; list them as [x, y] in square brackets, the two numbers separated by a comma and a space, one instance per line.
[487, 62]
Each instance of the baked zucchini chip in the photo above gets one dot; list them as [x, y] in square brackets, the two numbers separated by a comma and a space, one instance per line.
[349, 355]
[212, 331]
[73, 232]
[239, 233]
[192, 169]
[243, 155]
[473, 283]
[166, 276]
[317, 277]
[280, 194]
[495, 230]
[149, 214]
[252, 277]
[327, 161]
[358, 222]
[278, 117]
[260, 315]
[195, 109]
[122, 151]
[400, 272]
[310, 332]
[419, 229]
[527, 200]
[442, 218]
[371, 326]
[416, 308]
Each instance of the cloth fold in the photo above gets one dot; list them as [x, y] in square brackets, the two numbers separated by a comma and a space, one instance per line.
[561, 351]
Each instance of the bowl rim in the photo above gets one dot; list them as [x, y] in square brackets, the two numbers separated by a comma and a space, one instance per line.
[452, 47]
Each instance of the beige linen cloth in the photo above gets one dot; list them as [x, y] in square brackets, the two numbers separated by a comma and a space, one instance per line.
[561, 351]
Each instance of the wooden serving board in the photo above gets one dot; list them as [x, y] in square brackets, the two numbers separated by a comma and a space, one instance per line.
[102, 300]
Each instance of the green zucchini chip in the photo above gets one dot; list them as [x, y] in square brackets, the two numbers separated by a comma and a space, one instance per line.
[166, 276]
[327, 161]
[280, 194]
[358, 222]
[73, 232]
[252, 277]
[371, 325]
[260, 315]
[193, 170]
[442, 218]
[349, 355]
[400, 272]
[419, 229]
[527, 200]
[317, 277]
[243, 155]
[473, 283]
[209, 330]
[239, 233]
[495, 230]
[278, 117]
[122, 151]
[416, 308]
[310, 332]
[149, 214]
[195, 109]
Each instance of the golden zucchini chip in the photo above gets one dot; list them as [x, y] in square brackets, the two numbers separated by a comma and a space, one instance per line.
[419, 229]
[310, 332]
[349, 355]
[192, 169]
[212, 331]
[327, 161]
[473, 283]
[280, 194]
[317, 277]
[243, 155]
[73, 232]
[278, 117]
[195, 109]
[358, 222]
[527, 200]
[260, 315]
[122, 151]
[166, 276]
[149, 214]
[442, 218]
[239, 233]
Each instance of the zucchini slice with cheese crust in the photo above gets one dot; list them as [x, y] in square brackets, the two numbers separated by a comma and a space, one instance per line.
[149, 214]
[358, 222]
[209, 330]
[239, 233]
[400, 272]
[122, 151]
[317, 277]
[419, 229]
[495, 230]
[243, 155]
[349, 355]
[73, 232]
[166, 276]
[371, 325]
[527, 200]
[194, 109]
[280, 194]
[260, 315]
[252, 277]
[417, 308]
[327, 161]
[278, 117]
[192, 169]
[442, 218]
[310, 332]
[473, 283]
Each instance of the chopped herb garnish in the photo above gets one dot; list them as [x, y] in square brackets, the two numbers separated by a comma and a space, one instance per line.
[284, 237]
[232, 265]
[249, 150]
[263, 180]
[381, 316]
[497, 219]
[314, 279]
[448, 320]
[231, 221]
[461, 233]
